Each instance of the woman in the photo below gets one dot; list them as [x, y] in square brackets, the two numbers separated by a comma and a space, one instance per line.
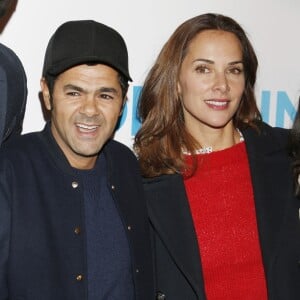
[224, 220]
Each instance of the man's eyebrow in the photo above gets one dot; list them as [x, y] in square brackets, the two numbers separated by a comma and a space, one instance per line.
[73, 87]
[108, 90]
[82, 90]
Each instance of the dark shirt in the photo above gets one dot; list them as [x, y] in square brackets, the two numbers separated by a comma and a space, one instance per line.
[108, 256]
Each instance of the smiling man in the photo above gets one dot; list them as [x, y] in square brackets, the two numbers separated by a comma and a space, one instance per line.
[72, 216]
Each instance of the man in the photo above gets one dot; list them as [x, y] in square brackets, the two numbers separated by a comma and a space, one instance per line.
[72, 216]
[13, 94]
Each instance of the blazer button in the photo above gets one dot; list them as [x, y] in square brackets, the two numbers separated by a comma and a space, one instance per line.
[160, 296]
[75, 185]
[79, 277]
[77, 230]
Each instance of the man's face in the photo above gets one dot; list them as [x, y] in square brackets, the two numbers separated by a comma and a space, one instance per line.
[4, 4]
[85, 107]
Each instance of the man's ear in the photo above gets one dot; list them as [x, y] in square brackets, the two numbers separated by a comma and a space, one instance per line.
[46, 94]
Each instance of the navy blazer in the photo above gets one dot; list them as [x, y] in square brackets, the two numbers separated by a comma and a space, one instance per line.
[42, 227]
[176, 253]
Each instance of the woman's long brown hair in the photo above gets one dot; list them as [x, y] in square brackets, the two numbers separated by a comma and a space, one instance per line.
[163, 134]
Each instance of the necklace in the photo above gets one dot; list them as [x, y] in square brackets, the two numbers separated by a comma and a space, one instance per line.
[209, 149]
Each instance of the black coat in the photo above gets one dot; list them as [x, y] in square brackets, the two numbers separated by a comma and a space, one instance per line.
[42, 227]
[176, 253]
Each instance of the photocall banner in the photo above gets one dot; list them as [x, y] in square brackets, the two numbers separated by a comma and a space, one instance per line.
[273, 26]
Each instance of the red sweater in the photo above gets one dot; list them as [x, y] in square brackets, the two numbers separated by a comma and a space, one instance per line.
[222, 205]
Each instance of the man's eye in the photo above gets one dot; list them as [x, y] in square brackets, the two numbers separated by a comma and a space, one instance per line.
[106, 96]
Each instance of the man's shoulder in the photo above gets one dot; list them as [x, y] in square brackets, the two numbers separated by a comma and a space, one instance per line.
[121, 158]
[114, 147]
[22, 143]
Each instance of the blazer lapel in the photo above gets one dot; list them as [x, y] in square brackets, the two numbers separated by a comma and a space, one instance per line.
[171, 218]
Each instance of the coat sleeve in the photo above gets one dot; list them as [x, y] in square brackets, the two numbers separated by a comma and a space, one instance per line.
[5, 217]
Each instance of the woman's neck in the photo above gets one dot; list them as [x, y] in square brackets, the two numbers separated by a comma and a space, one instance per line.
[215, 139]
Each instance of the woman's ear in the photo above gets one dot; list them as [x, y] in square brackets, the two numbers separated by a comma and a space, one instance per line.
[178, 88]
[46, 94]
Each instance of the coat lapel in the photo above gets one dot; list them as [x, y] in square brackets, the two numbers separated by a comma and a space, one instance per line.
[171, 218]
[269, 167]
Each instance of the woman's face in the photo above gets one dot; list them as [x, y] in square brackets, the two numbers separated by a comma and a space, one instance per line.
[211, 80]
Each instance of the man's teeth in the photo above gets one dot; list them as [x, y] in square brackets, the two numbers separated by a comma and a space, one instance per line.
[87, 127]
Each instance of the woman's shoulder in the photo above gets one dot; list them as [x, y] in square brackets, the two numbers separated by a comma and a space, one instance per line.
[162, 179]
[163, 182]
[267, 132]
[275, 130]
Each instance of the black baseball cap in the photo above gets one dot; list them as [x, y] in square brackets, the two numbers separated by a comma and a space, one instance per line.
[85, 41]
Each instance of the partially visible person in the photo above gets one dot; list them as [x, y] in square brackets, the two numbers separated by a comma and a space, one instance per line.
[294, 149]
[4, 6]
[73, 220]
[13, 94]
[7, 8]
[224, 220]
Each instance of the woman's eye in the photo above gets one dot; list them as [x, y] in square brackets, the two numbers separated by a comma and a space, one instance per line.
[202, 69]
[235, 70]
